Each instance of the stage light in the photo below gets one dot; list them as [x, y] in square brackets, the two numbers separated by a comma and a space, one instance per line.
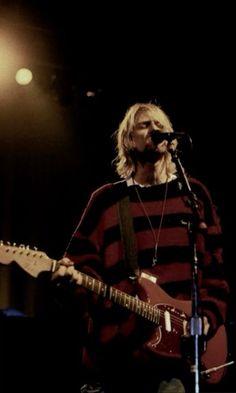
[24, 76]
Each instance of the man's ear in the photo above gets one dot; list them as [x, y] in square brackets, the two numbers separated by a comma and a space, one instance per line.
[132, 143]
[132, 146]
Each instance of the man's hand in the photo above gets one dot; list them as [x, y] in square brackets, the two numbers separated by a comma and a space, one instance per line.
[206, 325]
[66, 269]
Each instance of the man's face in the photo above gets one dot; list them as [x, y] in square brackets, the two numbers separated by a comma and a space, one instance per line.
[142, 139]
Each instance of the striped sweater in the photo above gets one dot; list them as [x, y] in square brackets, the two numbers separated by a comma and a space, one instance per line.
[97, 250]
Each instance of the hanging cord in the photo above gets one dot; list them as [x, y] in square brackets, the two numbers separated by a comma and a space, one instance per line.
[156, 237]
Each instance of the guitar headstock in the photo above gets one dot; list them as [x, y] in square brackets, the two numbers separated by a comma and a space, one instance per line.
[30, 260]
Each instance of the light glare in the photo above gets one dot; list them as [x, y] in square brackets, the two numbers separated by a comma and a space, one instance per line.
[24, 76]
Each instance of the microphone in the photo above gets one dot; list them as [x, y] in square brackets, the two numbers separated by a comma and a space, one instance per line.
[158, 136]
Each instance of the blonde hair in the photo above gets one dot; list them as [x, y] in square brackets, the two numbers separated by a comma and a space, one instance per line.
[123, 161]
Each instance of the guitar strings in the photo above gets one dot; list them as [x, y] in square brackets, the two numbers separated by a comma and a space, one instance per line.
[87, 283]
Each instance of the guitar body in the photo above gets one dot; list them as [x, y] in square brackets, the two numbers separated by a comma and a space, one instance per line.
[168, 343]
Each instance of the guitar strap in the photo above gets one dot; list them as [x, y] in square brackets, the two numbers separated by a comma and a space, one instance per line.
[128, 238]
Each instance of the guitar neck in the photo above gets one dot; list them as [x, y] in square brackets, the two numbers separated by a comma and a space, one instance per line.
[129, 302]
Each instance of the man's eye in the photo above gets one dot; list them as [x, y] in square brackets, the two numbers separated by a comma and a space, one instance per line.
[144, 124]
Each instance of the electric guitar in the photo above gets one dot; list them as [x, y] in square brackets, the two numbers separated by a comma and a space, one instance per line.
[170, 316]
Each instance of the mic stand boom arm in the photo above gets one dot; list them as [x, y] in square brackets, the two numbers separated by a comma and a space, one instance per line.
[195, 321]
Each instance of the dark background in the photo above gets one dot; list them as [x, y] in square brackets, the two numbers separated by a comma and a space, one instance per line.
[90, 62]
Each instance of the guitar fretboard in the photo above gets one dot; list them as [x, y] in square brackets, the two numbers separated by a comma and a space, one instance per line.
[123, 299]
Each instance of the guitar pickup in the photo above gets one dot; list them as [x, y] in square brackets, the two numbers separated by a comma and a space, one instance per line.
[167, 321]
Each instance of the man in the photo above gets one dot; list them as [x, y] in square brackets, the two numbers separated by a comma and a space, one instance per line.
[134, 247]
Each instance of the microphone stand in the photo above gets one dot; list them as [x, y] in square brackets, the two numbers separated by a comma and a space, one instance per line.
[196, 223]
